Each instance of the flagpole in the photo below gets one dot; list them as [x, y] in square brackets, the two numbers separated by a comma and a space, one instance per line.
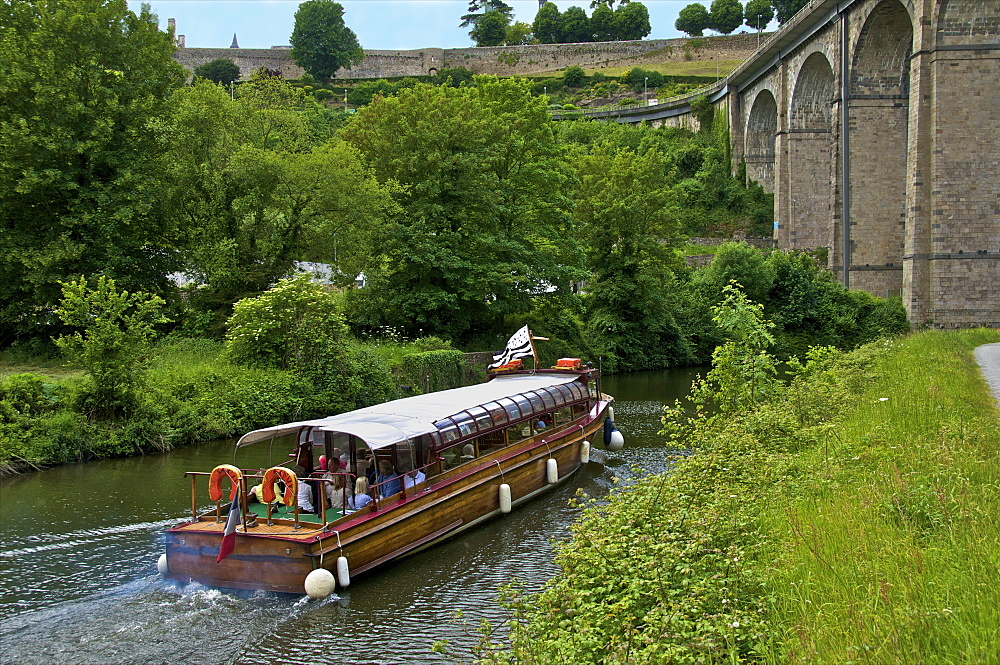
[534, 352]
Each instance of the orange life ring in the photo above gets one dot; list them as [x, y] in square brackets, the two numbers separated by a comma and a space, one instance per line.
[286, 476]
[215, 481]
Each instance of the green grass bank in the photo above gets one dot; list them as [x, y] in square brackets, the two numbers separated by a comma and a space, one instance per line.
[849, 517]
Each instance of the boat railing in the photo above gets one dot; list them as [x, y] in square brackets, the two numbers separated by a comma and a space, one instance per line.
[378, 501]
[257, 474]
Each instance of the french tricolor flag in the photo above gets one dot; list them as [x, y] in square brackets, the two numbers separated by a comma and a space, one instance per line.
[229, 533]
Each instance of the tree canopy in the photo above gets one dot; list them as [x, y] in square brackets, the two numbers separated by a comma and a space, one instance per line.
[490, 29]
[484, 223]
[693, 20]
[786, 9]
[82, 84]
[321, 42]
[758, 14]
[726, 15]
[220, 70]
[548, 24]
[632, 21]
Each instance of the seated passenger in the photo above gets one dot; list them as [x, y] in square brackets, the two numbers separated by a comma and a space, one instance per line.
[541, 424]
[305, 495]
[361, 497]
[411, 477]
[335, 493]
[388, 476]
[255, 494]
[468, 451]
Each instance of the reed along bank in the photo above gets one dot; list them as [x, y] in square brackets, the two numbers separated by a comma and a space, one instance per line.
[847, 514]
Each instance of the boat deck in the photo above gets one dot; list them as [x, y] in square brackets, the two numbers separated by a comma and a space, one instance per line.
[309, 524]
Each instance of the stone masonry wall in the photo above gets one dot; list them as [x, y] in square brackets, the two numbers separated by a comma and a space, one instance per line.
[499, 60]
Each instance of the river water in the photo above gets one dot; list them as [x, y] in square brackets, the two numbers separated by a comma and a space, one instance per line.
[78, 580]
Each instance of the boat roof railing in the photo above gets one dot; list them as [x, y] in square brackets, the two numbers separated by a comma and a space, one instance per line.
[384, 425]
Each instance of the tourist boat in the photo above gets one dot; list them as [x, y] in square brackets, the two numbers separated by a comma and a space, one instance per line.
[462, 456]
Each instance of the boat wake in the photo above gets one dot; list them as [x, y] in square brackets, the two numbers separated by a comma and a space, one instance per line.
[83, 537]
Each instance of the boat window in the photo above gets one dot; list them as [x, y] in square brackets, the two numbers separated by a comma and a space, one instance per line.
[482, 417]
[565, 394]
[541, 422]
[564, 415]
[579, 410]
[523, 404]
[547, 399]
[519, 431]
[577, 390]
[497, 413]
[448, 430]
[536, 402]
[492, 441]
[513, 413]
[593, 389]
[466, 425]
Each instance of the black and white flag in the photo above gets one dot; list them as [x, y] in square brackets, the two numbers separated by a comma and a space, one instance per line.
[518, 346]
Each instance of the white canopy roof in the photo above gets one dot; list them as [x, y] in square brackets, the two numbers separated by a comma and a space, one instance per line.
[384, 424]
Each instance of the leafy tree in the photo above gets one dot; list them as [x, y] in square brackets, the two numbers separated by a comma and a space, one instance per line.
[693, 20]
[602, 23]
[220, 70]
[519, 34]
[490, 30]
[548, 24]
[632, 21]
[786, 9]
[574, 76]
[321, 42]
[480, 8]
[642, 80]
[758, 14]
[630, 242]
[114, 340]
[82, 86]
[254, 189]
[726, 16]
[740, 263]
[594, 4]
[454, 76]
[575, 26]
[483, 230]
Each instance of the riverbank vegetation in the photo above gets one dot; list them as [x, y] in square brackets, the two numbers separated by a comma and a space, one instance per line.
[843, 515]
[163, 222]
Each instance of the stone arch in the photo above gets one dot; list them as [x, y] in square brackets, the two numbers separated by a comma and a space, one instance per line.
[878, 103]
[810, 170]
[762, 125]
[881, 63]
[813, 95]
[967, 22]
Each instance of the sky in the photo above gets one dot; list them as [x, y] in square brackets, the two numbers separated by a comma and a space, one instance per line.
[379, 24]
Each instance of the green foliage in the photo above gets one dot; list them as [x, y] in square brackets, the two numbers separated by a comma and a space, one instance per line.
[490, 29]
[758, 14]
[547, 26]
[632, 21]
[83, 84]
[575, 26]
[703, 112]
[725, 16]
[629, 242]
[431, 371]
[290, 327]
[642, 80]
[321, 42]
[253, 188]
[484, 222]
[221, 70]
[113, 340]
[519, 34]
[740, 263]
[786, 9]
[456, 77]
[574, 76]
[693, 20]
[602, 23]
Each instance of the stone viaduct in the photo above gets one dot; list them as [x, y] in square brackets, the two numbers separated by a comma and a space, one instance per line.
[876, 124]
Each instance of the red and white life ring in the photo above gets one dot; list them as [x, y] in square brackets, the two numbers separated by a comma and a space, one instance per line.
[276, 473]
[215, 481]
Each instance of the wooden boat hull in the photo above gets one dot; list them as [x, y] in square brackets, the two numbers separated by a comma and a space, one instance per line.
[278, 557]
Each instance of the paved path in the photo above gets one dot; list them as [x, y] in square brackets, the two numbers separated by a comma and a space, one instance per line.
[988, 357]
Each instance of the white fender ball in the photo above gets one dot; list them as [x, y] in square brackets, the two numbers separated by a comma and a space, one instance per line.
[320, 584]
[505, 498]
[584, 452]
[617, 441]
[343, 572]
[162, 566]
[552, 471]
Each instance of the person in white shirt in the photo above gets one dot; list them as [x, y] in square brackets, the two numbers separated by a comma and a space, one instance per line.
[412, 477]
[305, 497]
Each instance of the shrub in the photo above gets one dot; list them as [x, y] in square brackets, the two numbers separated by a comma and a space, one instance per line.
[574, 77]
